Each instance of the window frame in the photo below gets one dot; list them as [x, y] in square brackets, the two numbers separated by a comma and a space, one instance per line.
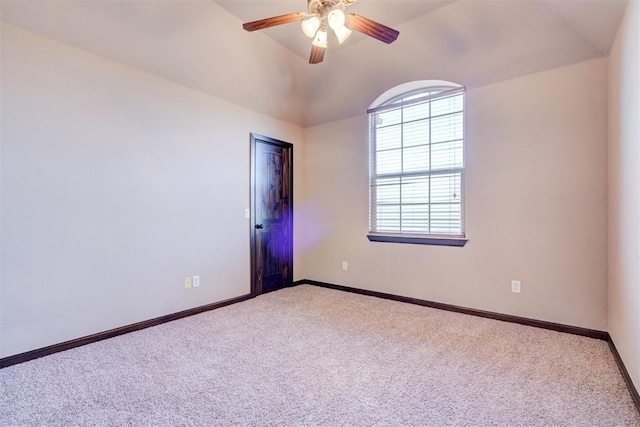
[390, 100]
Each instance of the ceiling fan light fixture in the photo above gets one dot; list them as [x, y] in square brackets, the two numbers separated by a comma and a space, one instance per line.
[336, 19]
[342, 33]
[321, 39]
[310, 26]
[323, 15]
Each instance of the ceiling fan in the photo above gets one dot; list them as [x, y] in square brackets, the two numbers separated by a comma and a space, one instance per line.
[322, 16]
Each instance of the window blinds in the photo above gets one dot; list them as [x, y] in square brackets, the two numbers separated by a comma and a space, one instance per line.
[417, 164]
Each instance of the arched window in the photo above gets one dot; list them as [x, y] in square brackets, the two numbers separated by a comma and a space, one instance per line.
[417, 164]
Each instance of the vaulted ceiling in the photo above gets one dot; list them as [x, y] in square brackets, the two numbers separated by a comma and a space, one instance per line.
[200, 44]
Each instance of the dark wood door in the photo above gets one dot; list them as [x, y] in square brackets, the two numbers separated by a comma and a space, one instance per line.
[272, 214]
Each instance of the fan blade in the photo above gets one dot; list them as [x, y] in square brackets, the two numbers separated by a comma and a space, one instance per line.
[371, 28]
[317, 55]
[272, 22]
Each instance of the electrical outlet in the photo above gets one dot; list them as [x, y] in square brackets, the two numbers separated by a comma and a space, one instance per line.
[196, 281]
[187, 282]
[345, 265]
[516, 286]
[247, 214]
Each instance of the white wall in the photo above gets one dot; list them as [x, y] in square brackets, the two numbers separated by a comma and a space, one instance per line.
[115, 185]
[624, 192]
[536, 210]
[1, 139]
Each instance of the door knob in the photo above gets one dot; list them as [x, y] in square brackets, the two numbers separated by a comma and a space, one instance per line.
[259, 226]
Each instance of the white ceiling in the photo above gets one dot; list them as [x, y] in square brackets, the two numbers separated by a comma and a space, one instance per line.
[200, 44]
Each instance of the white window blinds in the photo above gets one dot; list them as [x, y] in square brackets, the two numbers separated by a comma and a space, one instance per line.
[417, 164]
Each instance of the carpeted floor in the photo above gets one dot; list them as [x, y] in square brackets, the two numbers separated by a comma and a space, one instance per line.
[313, 356]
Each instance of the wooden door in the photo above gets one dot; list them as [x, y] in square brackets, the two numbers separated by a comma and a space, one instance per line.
[271, 214]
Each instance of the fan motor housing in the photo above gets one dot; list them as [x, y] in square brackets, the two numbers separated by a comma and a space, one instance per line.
[322, 7]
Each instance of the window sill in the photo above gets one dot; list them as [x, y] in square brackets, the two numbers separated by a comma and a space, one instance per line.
[415, 240]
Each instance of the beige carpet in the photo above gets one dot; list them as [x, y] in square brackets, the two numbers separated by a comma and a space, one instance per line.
[313, 356]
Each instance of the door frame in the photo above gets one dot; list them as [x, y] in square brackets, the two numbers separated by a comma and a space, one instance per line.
[256, 288]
